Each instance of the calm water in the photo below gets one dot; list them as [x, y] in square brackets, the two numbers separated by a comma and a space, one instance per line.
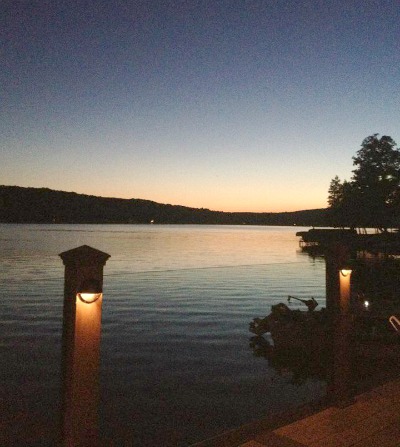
[176, 366]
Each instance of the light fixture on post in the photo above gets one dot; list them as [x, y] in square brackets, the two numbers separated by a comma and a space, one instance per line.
[90, 291]
[83, 297]
[342, 350]
[345, 286]
[338, 276]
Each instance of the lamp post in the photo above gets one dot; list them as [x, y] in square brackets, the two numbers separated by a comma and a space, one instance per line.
[83, 296]
[338, 288]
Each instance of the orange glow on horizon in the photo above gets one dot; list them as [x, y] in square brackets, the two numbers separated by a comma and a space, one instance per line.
[244, 205]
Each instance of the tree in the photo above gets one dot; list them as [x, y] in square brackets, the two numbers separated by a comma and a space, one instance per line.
[372, 197]
[343, 207]
[337, 200]
[378, 164]
[377, 179]
[335, 192]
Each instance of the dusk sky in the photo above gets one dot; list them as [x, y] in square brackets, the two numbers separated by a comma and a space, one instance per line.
[228, 105]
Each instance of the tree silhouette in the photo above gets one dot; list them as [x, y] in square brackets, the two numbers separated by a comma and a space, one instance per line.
[335, 192]
[372, 197]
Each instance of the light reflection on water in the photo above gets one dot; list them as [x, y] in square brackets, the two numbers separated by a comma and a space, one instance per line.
[176, 364]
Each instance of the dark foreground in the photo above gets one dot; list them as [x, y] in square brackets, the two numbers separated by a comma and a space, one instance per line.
[371, 420]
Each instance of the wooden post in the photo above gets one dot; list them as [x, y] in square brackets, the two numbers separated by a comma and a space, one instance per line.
[81, 345]
[336, 257]
[338, 288]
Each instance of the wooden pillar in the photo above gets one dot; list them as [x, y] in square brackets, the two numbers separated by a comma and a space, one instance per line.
[83, 286]
[338, 289]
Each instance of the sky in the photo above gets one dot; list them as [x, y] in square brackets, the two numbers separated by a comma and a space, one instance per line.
[227, 105]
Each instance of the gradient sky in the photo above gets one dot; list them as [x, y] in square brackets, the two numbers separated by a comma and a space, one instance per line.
[228, 105]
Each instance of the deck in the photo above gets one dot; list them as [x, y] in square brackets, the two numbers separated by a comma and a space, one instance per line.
[372, 420]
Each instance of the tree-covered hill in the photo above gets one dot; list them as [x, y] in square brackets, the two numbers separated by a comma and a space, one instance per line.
[43, 205]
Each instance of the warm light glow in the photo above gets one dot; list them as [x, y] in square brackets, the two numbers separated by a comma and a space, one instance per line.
[89, 297]
[366, 304]
[90, 291]
[345, 272]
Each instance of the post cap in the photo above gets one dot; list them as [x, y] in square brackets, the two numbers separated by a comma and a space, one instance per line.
[84, 255]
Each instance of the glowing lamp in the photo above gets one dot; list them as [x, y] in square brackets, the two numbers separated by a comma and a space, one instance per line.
[80, 393]
[366, 304]
[345, 272]
[90, 291]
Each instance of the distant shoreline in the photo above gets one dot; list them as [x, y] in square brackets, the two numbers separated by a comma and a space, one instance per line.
[46, 206]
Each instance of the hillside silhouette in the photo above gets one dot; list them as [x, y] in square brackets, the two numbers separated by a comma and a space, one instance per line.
[43, 205]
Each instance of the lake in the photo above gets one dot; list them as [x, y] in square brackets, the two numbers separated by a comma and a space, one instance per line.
[176, 366]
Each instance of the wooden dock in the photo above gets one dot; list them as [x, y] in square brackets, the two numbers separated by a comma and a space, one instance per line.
[372, 420]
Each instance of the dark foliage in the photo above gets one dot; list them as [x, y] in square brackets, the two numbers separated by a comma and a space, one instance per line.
[372, 197]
